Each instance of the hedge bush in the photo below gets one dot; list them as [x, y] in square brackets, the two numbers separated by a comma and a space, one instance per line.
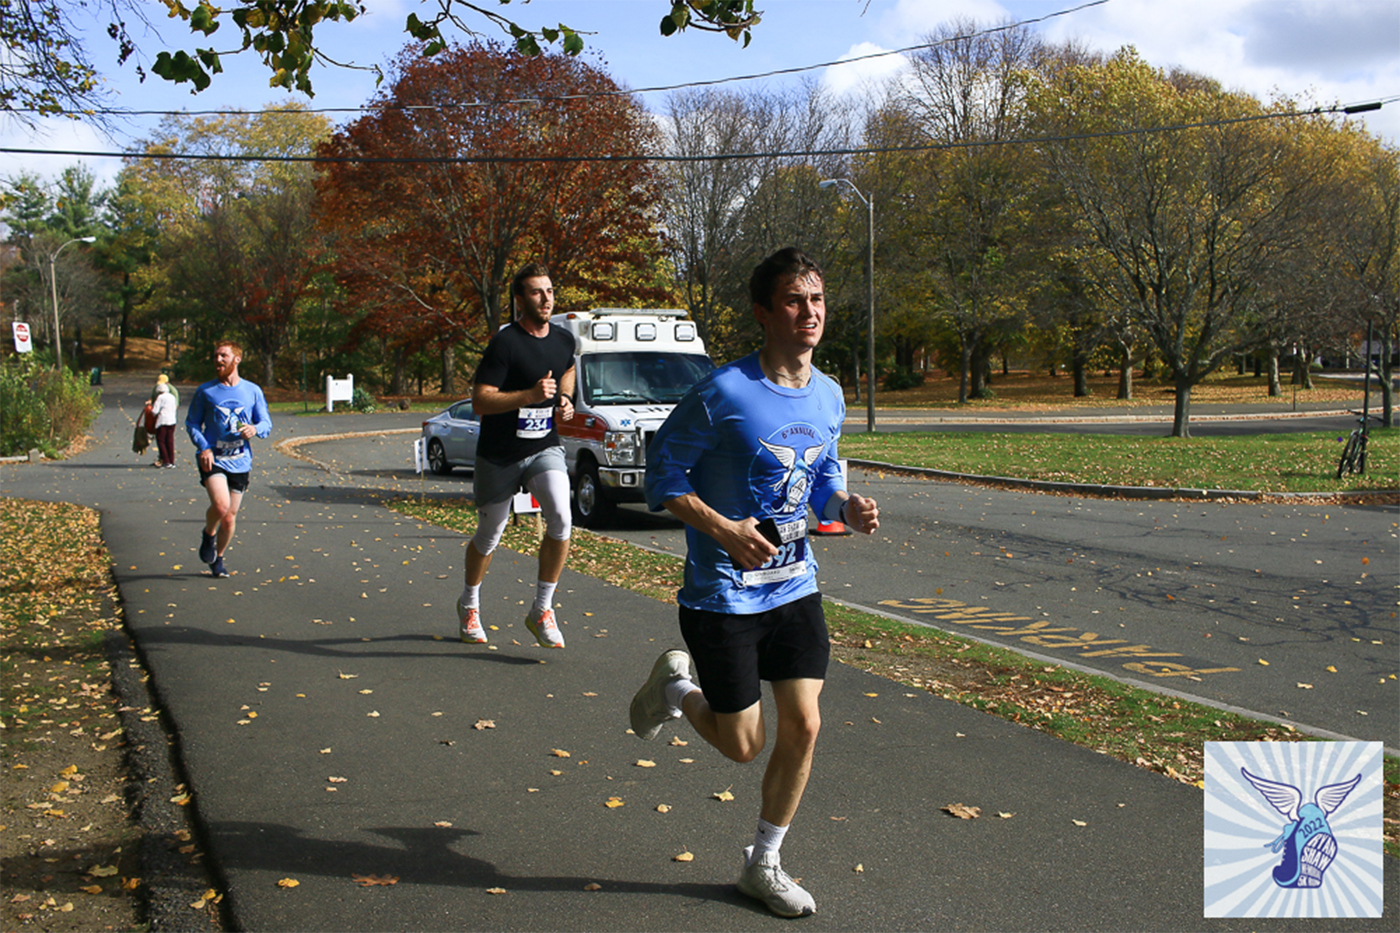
[42, 408]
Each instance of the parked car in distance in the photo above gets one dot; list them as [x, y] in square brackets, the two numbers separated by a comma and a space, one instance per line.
[451, 436]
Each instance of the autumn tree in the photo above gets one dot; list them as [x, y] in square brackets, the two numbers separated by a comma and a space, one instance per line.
[238, 245]
[1191, 218]
[733, 193]
[459, 175]
[966, 91]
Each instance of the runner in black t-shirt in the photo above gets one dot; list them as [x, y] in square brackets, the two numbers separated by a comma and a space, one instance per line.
[526, 376]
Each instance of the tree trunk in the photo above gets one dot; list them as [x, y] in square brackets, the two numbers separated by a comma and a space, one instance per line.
[1125, 374]
[268, 360]
[449, 375]
[1080, 367]
[855, 359]
[1181, 416]
[399, 376]
[964, 372]
[1275, 386]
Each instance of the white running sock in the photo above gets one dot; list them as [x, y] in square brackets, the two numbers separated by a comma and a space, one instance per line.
[676, 691]
[471, 596]
[544, 595]
[768, 838]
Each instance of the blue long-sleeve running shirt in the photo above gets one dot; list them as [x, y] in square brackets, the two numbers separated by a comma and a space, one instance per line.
[217, 411]
[749, 447]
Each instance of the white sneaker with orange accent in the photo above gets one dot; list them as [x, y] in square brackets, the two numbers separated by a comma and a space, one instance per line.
[470, 622]
[545, 629]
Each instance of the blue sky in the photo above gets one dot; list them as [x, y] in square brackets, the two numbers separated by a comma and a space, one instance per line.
[1326, 52]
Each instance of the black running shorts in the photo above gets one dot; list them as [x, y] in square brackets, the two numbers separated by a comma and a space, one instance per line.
[732, 653]
[237, 482]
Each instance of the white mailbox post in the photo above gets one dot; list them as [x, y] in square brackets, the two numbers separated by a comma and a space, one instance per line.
[339, 390]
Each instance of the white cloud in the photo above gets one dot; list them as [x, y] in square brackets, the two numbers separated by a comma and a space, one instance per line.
[843, 79]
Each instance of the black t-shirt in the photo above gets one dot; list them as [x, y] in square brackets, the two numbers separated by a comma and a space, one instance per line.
[516, 360]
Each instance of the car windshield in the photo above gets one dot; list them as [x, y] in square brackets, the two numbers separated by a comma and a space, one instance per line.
[649, 376]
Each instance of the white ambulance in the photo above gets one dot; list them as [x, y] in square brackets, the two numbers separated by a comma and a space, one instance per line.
[632, 367]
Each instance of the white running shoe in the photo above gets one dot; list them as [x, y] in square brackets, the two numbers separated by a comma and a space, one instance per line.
[766, 881]
[470, 623]
[650, 711]
[544, 628]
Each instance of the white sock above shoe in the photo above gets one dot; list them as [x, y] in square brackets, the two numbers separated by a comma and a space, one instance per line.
[471, 596]
[544, 595]
[768, 838]
[676, 691]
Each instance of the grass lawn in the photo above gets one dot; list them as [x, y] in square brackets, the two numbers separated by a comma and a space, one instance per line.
[1270, 462]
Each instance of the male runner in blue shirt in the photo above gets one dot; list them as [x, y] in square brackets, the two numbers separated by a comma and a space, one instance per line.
[738, 461]
[224, 415]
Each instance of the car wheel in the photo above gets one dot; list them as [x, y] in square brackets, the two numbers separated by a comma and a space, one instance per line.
[591, 507]
[437, 458]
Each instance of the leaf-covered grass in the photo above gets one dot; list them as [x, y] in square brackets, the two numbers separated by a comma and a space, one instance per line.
[63, 787]
[1267, 463]
[1150, 730]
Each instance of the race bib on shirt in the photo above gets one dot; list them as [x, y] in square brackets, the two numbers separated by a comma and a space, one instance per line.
[534, 423]
[790, 538]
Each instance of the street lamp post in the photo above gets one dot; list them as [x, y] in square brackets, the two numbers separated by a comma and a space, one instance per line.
[53, 285]
[870, 297]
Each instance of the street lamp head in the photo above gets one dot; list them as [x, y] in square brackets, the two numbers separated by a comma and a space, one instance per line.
[827, 183]
[87, 239]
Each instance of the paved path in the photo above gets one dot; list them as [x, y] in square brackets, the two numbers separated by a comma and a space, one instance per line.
[363, 759]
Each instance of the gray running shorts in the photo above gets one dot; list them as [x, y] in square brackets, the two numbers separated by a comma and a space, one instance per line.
[493, 482]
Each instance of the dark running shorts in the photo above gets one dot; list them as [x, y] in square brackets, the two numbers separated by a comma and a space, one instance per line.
[237, 482]
[732, 653]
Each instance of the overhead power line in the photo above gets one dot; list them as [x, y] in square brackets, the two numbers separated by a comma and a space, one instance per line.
[713, 157]
[620, 92]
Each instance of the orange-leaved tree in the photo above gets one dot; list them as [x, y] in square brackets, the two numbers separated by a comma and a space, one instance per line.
[471, 164]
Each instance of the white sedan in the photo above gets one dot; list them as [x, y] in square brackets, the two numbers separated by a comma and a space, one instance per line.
[451, 436]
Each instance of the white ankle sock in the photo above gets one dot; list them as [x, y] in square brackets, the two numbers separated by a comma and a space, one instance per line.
[768, 838]
[544, 595]
[676, 691]
[471, 596]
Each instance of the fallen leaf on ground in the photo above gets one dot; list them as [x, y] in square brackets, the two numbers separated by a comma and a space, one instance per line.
[663, 808]
[683, 857]
[484, 724]
[613, 803]
[443, 824]
[560, 753]
[369, 881]
[593, 886]
[495, 890]
[102, 871]
[337, 780]
[1079, 823]
[860, 868]
[288, 883]
[679, 742]
[344, 676]
[645, 763]
[724, 795]
[963, 812]
[1006, 816]
[91, 889]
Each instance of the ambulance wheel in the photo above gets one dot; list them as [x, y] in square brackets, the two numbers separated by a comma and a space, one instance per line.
[591, 508]
[437, 458]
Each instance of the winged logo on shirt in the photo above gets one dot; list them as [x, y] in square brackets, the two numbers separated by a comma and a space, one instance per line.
[792, 486]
